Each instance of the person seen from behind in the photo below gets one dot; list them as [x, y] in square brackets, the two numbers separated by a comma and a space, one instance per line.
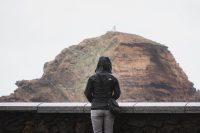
[100, 87]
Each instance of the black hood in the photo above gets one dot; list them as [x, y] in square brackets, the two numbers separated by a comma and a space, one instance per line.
[104, 65]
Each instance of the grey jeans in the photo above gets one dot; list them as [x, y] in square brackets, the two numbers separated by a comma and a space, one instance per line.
[102, 120]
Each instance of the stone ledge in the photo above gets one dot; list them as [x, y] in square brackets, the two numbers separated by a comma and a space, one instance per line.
[61, 107]
[19, 106]
[127, 107]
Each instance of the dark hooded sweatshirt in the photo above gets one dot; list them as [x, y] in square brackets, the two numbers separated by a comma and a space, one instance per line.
[98, 93]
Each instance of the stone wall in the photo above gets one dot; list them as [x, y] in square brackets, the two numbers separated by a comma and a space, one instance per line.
[75, 118]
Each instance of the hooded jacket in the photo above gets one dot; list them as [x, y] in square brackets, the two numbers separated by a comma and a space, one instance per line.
[102, 85]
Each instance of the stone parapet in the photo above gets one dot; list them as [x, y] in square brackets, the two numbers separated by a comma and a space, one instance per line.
[81, 107]
[138, 117]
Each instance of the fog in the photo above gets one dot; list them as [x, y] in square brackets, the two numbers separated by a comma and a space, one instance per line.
[33, 32]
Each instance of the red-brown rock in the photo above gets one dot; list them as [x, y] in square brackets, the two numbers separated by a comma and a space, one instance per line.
[146, 70]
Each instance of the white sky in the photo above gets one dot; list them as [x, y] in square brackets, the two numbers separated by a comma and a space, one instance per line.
[33, 32]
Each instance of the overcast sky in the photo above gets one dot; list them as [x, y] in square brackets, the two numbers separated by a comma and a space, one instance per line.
[33, 32]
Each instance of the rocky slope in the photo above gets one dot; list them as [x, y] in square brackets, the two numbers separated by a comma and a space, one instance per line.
[146, 70]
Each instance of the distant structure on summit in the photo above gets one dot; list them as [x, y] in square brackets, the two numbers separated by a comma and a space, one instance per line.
[114, 28]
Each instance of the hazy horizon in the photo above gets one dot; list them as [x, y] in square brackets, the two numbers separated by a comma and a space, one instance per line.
[33, 32]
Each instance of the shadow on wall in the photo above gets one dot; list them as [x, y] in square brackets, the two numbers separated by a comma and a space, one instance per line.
[20, 122]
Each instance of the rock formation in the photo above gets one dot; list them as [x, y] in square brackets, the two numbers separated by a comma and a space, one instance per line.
[146, 70]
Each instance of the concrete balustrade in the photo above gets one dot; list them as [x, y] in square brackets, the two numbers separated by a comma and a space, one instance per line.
[136, 117]
[81, 107]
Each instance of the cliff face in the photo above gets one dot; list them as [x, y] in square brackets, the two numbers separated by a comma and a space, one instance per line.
[146, 70]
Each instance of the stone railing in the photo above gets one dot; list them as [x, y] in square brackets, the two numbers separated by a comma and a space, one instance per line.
[139, 117]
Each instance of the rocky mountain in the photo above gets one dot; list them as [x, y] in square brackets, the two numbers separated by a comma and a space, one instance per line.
[146, 70]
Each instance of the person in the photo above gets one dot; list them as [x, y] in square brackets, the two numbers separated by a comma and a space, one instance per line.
[102, 119]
